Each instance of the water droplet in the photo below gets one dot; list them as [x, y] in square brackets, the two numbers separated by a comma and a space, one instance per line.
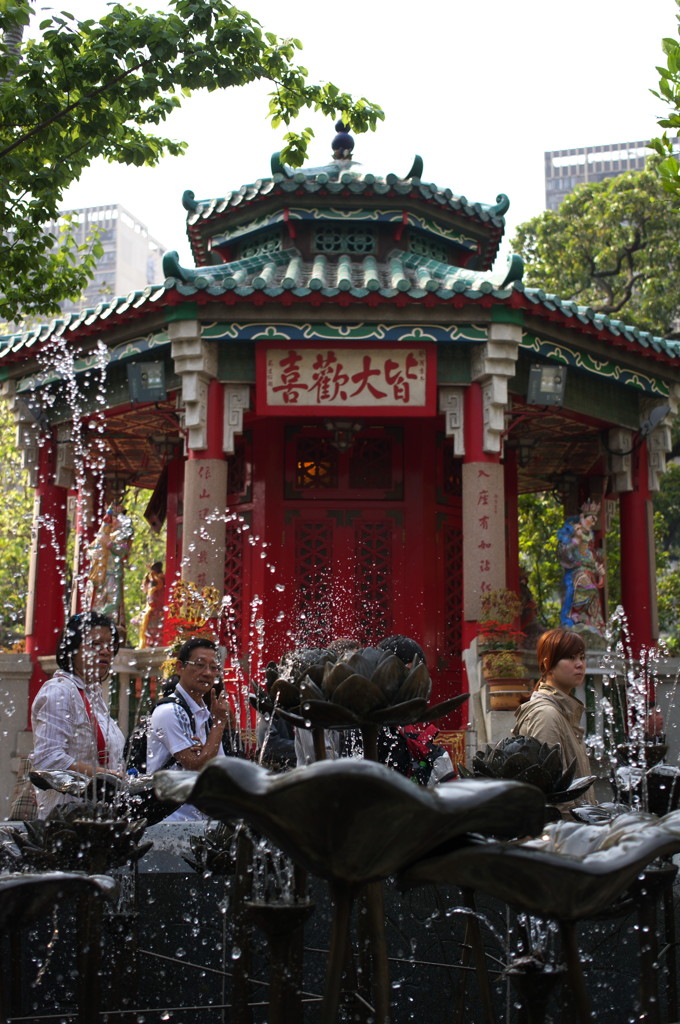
[235, 953]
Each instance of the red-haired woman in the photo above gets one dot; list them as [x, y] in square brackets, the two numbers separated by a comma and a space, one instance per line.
[553, 715]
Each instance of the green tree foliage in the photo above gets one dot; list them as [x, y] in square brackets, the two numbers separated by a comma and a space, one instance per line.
[85, 89]
[667, 538]
[147, 547]
[540, 517]
[16, 516]
[667, 510]
[613, 563]
[613, 245]
[669, 92]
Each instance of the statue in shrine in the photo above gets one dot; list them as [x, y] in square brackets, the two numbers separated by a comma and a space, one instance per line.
[151, 626]
[109, 553]
[584, 573]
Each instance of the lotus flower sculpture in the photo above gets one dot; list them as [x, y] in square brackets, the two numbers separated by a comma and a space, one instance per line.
[77, 837]
[526, 759]
[373, 688]
[352, 822]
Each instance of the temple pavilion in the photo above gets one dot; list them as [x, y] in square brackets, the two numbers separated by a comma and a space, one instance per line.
[335, 411]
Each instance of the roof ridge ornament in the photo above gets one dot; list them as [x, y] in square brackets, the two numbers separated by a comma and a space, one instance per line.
[502, 205]
[416, 168]
[278, 167]
[189, 201]
[343, 143]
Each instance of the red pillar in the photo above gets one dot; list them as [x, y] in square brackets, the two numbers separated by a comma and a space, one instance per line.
[45, 604]
[638, 587]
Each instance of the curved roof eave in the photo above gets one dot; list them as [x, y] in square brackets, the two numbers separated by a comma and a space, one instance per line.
[347, 184]
[403, 291]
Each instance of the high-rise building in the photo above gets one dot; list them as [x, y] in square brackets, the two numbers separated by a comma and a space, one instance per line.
[567, 168]
[131, 259]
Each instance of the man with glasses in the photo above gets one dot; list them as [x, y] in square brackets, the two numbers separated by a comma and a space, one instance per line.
[187, 729]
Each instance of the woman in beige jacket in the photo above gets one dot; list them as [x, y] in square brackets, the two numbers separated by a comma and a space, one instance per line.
[553, 714]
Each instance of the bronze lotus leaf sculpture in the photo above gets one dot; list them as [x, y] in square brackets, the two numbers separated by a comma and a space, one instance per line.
[23, 898]
[353, 820]
[526, 759]
[372, 688]
[569, 872]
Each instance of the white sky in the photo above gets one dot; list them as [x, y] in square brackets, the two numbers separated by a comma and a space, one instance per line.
[479, 90]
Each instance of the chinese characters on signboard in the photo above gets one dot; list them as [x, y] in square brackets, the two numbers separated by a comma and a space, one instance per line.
[484, 532]
[302, 376]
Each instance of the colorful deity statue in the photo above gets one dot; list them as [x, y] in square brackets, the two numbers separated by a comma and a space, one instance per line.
[109, 553]
[151, 626]
[583, 573]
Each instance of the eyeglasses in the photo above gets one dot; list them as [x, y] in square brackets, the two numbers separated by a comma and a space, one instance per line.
[212, 667]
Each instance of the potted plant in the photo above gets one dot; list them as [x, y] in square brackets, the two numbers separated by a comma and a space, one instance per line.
[498, 636]
[502, 605]
[498, 640]
[497, 631]
[506, 678]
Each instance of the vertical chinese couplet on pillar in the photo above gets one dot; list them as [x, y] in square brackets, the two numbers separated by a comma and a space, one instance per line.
[204, 527]
[484, 533]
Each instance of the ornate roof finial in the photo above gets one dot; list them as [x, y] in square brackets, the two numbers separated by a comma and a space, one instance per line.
[343, 143]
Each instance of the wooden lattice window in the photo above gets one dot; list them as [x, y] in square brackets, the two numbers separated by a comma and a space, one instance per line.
[260, 246]
[371, 468]
[373, 593]
[432, 248]
[316, 464]
[314, 570]
[344, 239]
[233, 581]
[370, 463]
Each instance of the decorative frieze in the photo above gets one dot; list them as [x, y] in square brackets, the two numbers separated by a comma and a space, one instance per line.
[27, 431]
[196, 364]
[620, 448]
[659, 440]
[493, 364]
[451, 403]
[236, 402]
[64, 473]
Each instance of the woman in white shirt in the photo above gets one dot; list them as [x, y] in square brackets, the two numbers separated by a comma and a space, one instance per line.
[72, 727]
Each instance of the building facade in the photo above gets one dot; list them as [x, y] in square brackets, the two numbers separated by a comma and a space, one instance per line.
[131, 260]
[343, 417]
[567, 168]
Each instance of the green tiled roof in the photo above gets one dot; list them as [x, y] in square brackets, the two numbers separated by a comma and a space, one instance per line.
[287, 276]
[333, 182]
[287, 271]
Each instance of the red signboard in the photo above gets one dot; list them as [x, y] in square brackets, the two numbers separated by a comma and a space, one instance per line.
[355, 379]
